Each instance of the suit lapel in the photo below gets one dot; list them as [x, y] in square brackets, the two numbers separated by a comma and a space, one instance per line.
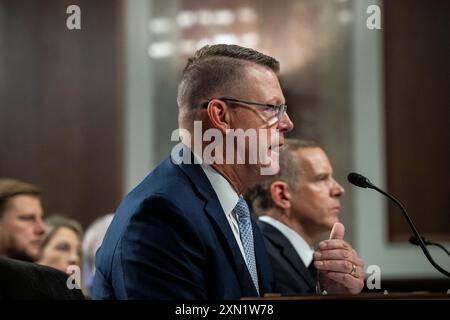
[265, 272]
[287, 251]
[214, 210]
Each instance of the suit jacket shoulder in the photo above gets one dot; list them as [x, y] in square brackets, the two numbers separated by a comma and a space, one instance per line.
[170, 239]
[21, 280]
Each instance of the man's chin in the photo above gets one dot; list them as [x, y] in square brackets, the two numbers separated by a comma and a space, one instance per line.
[331, 223]
[270, 164]
[22, 255]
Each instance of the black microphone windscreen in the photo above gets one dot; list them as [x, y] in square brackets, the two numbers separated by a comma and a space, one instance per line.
[358, 180]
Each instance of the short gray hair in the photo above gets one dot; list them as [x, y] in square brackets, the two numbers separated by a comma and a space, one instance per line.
[217, 70]
[259, 196]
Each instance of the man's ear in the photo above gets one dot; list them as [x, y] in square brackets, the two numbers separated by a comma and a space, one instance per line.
[218, 115]
[281, 195]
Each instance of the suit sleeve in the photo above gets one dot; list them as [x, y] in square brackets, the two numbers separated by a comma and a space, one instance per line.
[161, 254]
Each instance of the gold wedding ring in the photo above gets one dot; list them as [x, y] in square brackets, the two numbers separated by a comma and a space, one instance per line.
[353, 272]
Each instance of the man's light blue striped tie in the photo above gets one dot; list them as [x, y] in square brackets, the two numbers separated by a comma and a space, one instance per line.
[245, 228]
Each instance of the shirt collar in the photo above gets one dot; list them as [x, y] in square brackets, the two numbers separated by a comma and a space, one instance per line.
[228, 197]
[300, 245]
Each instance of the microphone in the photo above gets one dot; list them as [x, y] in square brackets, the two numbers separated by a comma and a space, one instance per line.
[362, 182]
[359, 180]
[413, 240]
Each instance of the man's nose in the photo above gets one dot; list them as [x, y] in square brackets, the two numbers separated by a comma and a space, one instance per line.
[337, 190]
[285, 124]
[40, 227]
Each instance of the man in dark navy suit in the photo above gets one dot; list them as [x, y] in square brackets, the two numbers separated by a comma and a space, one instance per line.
[185, 231]
[296, 207]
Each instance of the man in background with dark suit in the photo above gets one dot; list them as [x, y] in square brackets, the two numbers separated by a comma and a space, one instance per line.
[185, 231]
[295, 208]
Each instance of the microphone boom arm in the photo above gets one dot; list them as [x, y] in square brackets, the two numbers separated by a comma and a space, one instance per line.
[361, 181]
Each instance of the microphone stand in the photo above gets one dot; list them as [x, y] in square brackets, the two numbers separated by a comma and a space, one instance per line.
[413, 240]
[367, 184]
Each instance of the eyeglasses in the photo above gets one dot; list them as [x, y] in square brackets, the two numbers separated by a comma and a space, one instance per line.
[276, 111]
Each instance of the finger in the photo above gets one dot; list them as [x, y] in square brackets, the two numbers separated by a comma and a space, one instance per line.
[342, 266]
[333, 244]
[334, 254]
[353, 285]
[338, 231]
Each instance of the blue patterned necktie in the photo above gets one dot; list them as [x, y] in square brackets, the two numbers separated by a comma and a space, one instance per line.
[245, 228]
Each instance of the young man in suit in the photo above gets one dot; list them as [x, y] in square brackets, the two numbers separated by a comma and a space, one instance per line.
[295, 207]
[185, 231]
[22, 226]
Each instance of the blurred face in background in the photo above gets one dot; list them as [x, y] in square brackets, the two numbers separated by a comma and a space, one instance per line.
[22, 228]
[62, 249]
[316, 203]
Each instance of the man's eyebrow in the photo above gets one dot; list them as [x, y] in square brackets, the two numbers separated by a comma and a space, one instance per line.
[279, 104]
[274, 100]
[323, 174]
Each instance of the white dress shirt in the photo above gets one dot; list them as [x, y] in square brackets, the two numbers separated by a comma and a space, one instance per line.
[228, 199]
[300, 245]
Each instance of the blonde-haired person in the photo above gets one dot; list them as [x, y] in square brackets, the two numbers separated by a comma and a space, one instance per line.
[62, 244]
